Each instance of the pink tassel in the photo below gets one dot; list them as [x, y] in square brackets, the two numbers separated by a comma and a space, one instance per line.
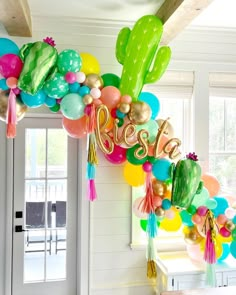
[210, 253]
[90, 112]
[91, 192]
[147, 204]
[11, 115]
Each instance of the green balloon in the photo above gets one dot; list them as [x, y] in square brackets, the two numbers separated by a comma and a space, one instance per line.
[55, 108]
[39, 60]
[130, 155]
[72, 106]
[152, 127]
[110, 79]
[201, 198]
[186, 183]
[69, 60]
[143, 224]
[136, 50]
[56, 86]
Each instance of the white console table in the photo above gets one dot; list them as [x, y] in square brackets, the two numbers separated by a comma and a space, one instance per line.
[176, 271]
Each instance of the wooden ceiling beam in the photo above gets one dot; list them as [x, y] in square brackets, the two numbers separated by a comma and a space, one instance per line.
[16, 18]
[177, 14]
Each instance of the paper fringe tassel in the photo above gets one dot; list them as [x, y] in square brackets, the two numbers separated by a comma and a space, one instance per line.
[152, 225]
[147, 203]
[151, 259]
[210, 253]
[11, 115]
[211, 275]
[91, 191]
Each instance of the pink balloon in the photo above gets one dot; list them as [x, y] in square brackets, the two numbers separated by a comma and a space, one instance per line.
[70, 77]
[118, 155]
[197, 219]
[75, 128]
[136, 209]
[221, 219]
[157, 201]
[169, 214]
[211, 183]
[195, 253]
[10, 65]
[224, 232]
[110, 96]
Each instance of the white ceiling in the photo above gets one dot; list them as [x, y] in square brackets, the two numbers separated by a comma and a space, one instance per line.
[220, 13]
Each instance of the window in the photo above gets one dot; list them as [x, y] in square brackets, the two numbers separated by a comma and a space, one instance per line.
[174, 92]
[222, 131]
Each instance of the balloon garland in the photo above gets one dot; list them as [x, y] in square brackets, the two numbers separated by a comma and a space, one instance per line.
[123, 122]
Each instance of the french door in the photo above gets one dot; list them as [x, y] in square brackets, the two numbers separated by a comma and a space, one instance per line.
[45, 206]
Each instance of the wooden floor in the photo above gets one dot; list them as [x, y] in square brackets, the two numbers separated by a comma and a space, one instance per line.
[209, 291]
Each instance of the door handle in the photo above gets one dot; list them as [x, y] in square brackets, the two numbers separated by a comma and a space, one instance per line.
[19, 229]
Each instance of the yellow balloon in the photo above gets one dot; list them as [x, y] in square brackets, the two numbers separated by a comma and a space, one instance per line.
[224, 239]
[90, 64]
[173, 224]
[134, 174]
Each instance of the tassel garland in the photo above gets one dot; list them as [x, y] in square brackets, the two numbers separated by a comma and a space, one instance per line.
[152, 225]
[147, 205]
[11, 115]
[151, 259]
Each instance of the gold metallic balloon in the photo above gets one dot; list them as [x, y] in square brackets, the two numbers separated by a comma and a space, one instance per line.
[140, 112]
[159, 212]
[169, 130]
[93, 81]
[87, 99]
[124, 107]
[230, 225]
[158, 187]
[20, 107]
[192, 237]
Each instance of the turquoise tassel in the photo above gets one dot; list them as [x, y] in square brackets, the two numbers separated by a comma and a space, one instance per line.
[91, 170]
[152, 225]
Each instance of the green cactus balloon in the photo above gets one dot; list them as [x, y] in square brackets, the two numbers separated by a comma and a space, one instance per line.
[137, 51]
[186, 181]
[39, 59]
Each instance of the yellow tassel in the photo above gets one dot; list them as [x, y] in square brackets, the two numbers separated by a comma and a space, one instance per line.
[92, 154]
[151, 269]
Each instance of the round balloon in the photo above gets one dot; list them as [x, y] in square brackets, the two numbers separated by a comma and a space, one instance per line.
[211, 183]
[69, 60]
[75, 128]
[134, 175]
[33, 101]
[110, 96]
[152, 101]
[110, 79]
[72, 106]
[10, 65]
[8, 46]
[57, 86]
[118, 155]
[132, 158]
[161, 169]
[90, 64]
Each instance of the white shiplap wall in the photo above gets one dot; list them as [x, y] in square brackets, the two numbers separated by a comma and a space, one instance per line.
[114, 267]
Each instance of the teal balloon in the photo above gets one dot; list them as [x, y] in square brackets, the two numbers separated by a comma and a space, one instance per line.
[225, 252]
[161, 169]
[131, 158]
[152, 127]
[74, 87]
[211, 203]
[57, 86]
[72, 106]
[8, 46]
[222, 205]
[33, 101]
[233, 249]
[186, 218]
[69, 60]
[50, 102]
[110, 79]
[152, 101]
[3, 84]
[201, 199]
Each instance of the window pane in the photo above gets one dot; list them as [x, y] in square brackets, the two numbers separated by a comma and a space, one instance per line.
[216, 124]
[230, 131]
[224, 168]
[57, 153]
[35, 154]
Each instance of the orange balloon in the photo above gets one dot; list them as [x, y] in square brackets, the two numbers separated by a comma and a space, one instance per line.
[75, 128]
[110, 96]
[211, 184]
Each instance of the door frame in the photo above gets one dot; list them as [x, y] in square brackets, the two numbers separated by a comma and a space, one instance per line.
[83, 217]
